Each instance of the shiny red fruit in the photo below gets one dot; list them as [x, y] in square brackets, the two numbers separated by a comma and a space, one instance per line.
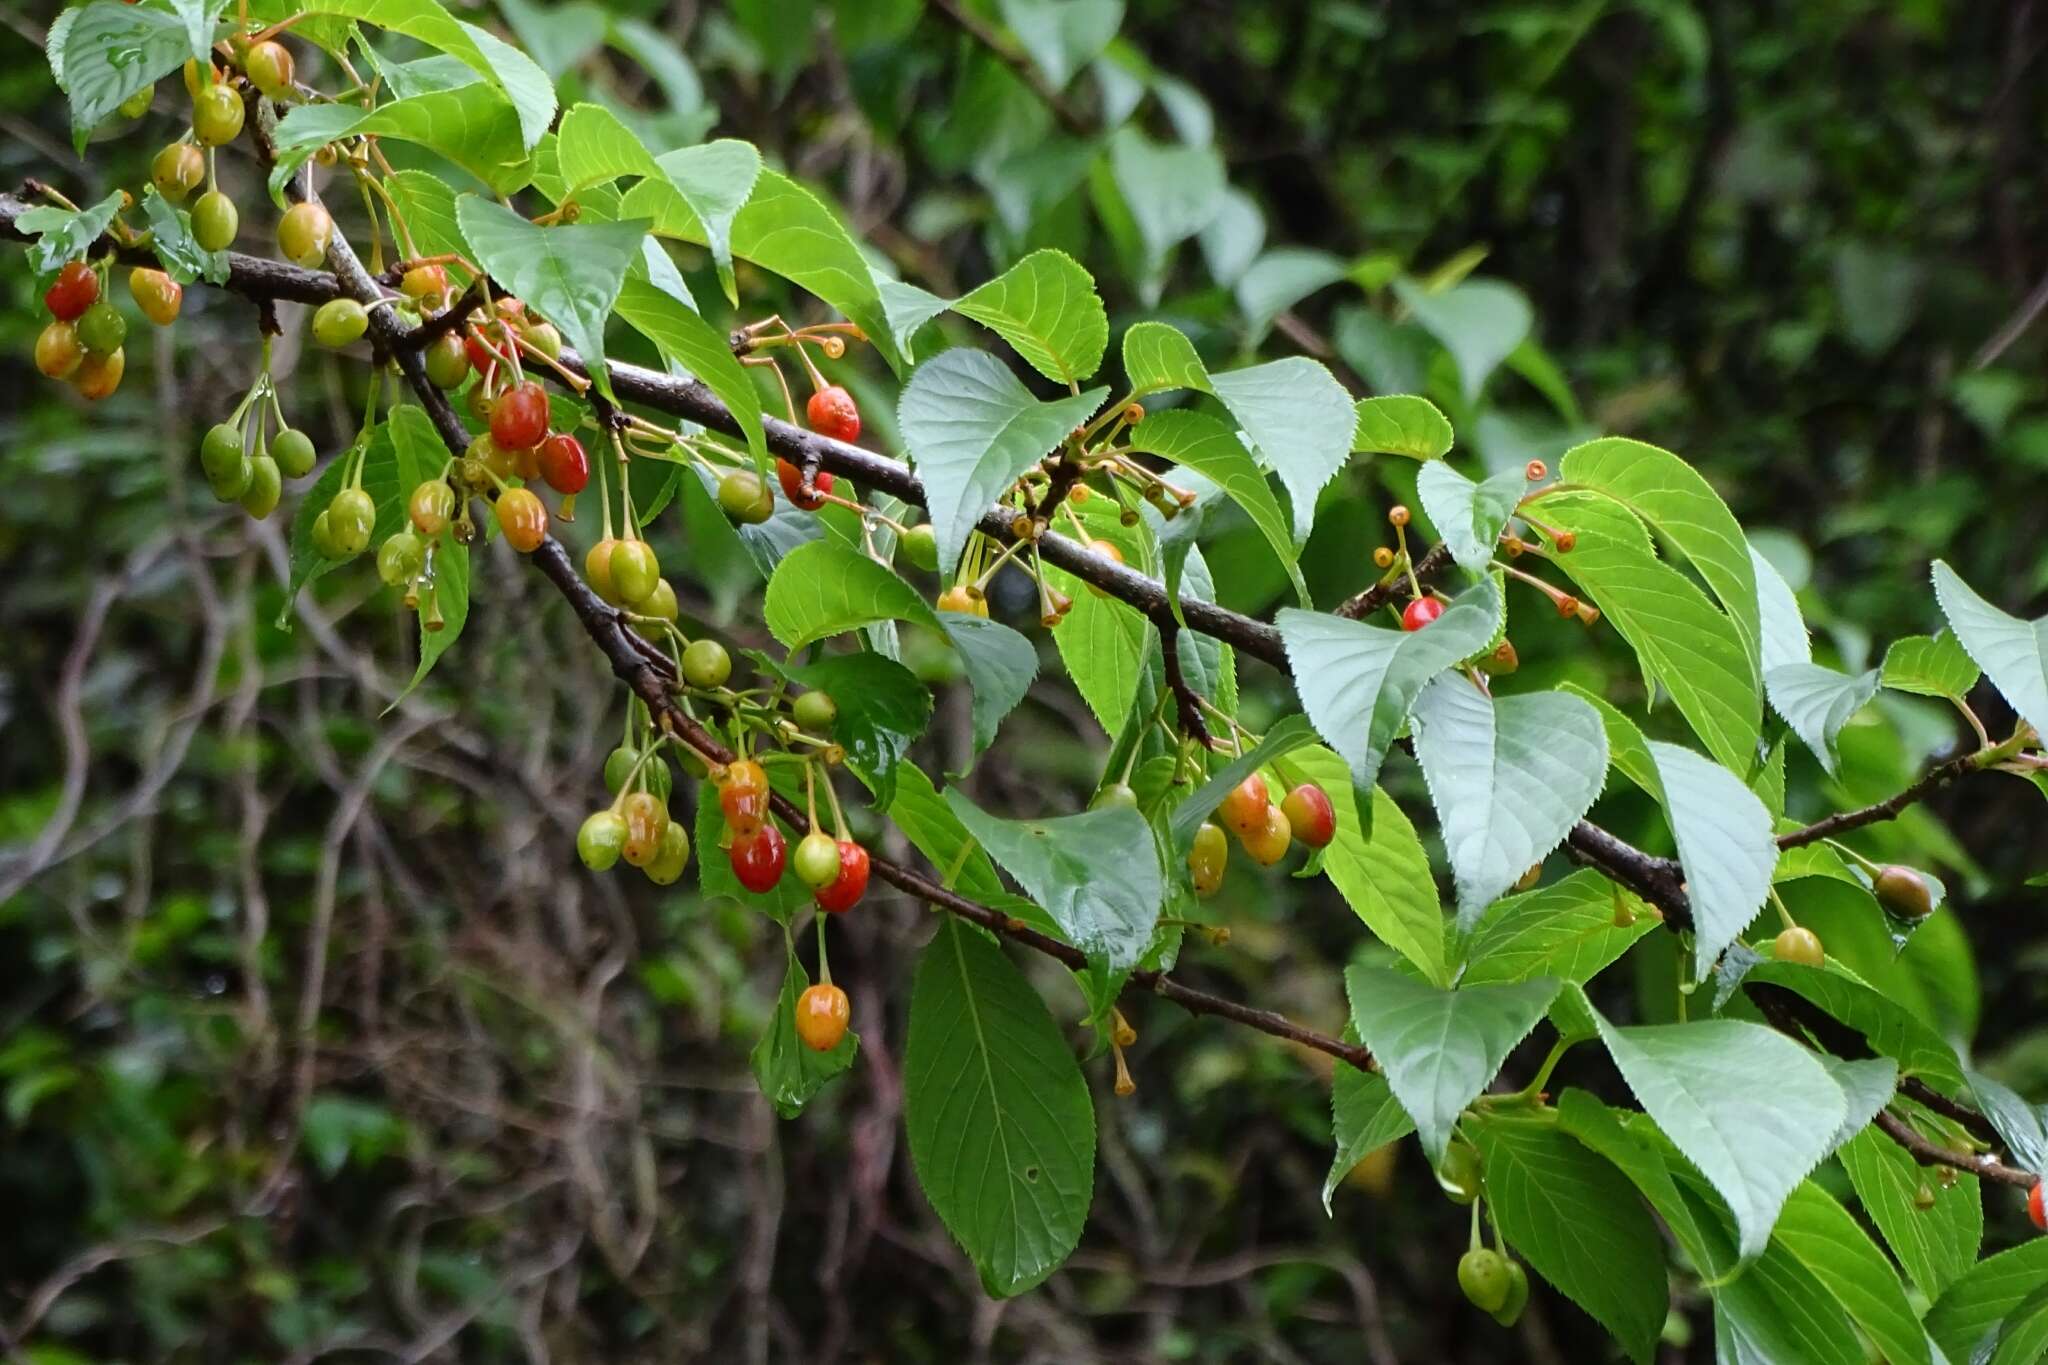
[1420, 613]
[519, 417]
[1309, 811]
[832, 412]
[77, 288]
[484, 354]
[757, 860]
[2035, 1207]
[792, 480]
[852, 883]
[563, 463]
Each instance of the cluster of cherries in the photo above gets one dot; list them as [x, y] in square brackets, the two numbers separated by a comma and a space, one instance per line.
[1264, 827]
[83, 344]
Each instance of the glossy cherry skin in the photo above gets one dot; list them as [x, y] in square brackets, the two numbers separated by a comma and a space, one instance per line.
[757, 859]
[822, 1013]
[564, 464]
[832, 412]
[519, 417]
[523, 519]
[852, 883]
[1309, 811]
[743, 796]
[1420, 613]
[76, 289]
[791, 478]
[2037, 1211]
[1243, 809]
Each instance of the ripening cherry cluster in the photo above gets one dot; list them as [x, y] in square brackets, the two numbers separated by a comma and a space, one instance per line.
[1265, 828]
[83, 342]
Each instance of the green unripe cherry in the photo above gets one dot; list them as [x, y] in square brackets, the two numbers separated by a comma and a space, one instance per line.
[400, 558]
[600, 840]
[293, 451]
[618, 766]
[268, 65]
[921, 546]
[817, 859]
[215, 221]
[217, 115]
[1116, 794]
[815, 710]
[1459, 1175]
[234, 480]
[322, 538]
[635, 571]
[101, 328]
[304, 234]
[340, 322]
[220, 450]
[447, 361]
[137, 104]
[671, 858]
[177, 171]
[350, 519]
[1510, 1312]
[1483, 1275]
[706, 663]
[746, 497]
[259, 498]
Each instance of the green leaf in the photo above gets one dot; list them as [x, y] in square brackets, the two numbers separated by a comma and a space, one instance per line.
[570, 273]
[928, 822]
[1725, 844]
[883, 708]
[594, 148]
[1383, 875]
[1972, 1310]
[387, 465]
[509, 70]
[1364, 1117]
[1170, 193]
[1280, 279]
[1047, 308]
[1063, 36]
[1509, 777]
[1684, 643]
[1480, 322]
[972, 430]
[1671, 497]
[785, 228]
[1002, 1133]
[715, 180]
[655, 302]
[1776, 1310]
[1645, 1164]
[1822, 1236]
[1096, 873]
[1748, 1106]
[1106, 646]
[1567, 930]
[1578, 1223]
[826, 588]
[1000, 664]
[1930, 666]
[2013, 653]
[110, 51]
[1816, 701]
[62, 235]
[473, 126]
[790, 1072]
[2023, 1127]
[1469, 516]
[1438, 1049]
[1887, 1026]
[1357, 681]
[451, 595]
[1784, 629]
[1401, 424]
[170, 236]
[1300, 420]
[1205, 445]
[1158, 357]
[429, 208]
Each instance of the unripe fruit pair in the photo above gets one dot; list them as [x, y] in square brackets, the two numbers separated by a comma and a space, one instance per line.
[655, 774]
[1494, 1283]
[622, 572]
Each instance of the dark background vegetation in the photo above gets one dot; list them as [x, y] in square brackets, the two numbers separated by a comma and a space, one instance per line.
[316, 1043]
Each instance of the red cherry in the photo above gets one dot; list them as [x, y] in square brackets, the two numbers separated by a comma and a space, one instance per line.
[520, 417]
[1420, 613]
[1243, 808]
[1309, 811]
[563, 463]
[757, 859]
[2035, 1209]
[77, 288]
[852, 883]
[832, 412]
[484, 354]
[792, 479]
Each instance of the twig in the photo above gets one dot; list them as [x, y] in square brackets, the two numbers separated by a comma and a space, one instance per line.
[1364, 604]
[1186, 700]
[1020, 64]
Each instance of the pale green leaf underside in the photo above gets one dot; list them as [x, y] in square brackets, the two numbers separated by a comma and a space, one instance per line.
[1725, 844]
[1213, 450]
[1567, 930]
[1508, 776]
[2013, 653]
[1817, 701]
[1469, 516]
